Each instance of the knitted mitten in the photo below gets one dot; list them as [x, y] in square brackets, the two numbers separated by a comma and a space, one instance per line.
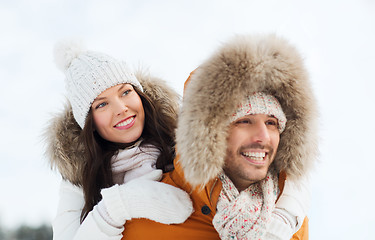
[290, 210]
[143, 198]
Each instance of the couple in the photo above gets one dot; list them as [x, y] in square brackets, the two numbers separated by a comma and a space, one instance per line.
[245, 142]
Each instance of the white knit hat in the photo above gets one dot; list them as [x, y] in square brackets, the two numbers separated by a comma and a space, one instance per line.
[88, 74]
[261, 103]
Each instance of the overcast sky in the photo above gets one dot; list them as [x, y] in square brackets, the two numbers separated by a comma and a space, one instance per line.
[172, 38]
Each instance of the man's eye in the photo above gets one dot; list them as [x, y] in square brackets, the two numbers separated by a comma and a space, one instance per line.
[272, 122]
[243, 121]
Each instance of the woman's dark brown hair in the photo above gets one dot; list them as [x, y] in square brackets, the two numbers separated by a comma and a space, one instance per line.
[158, 130]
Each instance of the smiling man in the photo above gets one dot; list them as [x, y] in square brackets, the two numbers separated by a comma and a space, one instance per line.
[254, 136]
[246, 140]
[249, 187]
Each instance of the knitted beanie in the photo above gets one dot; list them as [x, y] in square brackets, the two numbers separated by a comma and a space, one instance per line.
[88, 74]
[261, 103]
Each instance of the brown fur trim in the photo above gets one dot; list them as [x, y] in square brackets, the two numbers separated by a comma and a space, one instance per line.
[245, 65]
[64, 150]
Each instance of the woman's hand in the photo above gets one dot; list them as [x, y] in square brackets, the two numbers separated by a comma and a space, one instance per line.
[144, 198]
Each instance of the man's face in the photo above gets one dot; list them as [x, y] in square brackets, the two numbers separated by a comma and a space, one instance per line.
[252, 146]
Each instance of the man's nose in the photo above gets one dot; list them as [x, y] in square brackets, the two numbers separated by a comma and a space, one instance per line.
[261, 133]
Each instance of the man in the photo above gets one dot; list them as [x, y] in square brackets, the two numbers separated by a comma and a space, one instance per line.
[247, 122]
[245, 209]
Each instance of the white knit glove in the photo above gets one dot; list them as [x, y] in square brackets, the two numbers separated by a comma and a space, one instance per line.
[290, 210]
[144, 198]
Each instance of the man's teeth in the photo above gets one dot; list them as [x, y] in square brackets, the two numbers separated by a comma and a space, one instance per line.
[124, 123]
[255, 155]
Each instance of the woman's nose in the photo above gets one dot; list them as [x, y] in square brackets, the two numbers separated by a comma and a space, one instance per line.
[120, 107]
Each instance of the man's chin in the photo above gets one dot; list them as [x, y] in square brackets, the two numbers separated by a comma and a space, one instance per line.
[258, 176]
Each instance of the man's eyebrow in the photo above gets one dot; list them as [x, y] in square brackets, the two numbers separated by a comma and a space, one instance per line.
[272, 117]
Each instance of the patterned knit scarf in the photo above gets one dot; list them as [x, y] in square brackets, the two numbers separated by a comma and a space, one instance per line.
[245, 215]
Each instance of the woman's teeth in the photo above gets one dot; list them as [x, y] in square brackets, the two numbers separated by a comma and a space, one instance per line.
[124, 123]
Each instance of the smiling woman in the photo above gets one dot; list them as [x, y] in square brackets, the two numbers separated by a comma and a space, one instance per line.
[116, 131]
[118, 114]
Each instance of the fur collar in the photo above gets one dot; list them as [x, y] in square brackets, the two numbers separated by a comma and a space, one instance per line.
[240, 67]
[65, 151]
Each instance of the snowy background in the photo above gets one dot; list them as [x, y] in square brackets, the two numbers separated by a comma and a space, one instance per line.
[172, 38]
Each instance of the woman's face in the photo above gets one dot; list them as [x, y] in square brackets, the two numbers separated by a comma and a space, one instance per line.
[118, 114]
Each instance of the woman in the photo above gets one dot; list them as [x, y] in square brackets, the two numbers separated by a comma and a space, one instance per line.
[122, 127]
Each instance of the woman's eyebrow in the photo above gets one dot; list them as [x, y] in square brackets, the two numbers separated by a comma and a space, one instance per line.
[122, 86]
[98, 99]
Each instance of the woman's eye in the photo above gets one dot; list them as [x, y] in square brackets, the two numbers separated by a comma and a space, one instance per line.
[101, 105]
[126, 92]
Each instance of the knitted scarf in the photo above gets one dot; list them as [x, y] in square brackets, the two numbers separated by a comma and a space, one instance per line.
[245, 215]
[133, 162]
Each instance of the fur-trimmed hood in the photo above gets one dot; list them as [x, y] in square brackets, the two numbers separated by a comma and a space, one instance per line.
[64, 149]
[247, 64]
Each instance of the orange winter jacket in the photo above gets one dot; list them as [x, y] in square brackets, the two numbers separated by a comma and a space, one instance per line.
[199, 224]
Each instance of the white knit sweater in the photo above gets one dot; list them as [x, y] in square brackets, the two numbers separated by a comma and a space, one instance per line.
[127, 165]
[66, 224]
